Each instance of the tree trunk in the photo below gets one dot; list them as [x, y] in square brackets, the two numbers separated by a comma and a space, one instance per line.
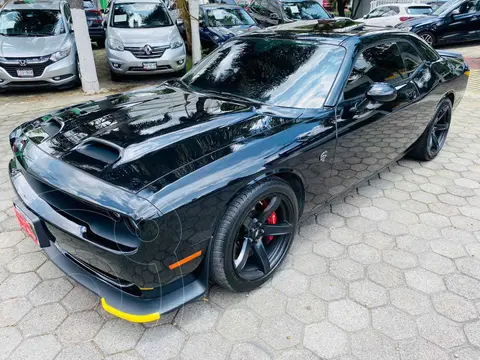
[194, 8]
[84, 48]
[185, 15]
[341, 7]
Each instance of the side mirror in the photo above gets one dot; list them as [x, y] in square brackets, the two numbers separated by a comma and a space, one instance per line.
[381, 92]
[179, 22]
[365, 16]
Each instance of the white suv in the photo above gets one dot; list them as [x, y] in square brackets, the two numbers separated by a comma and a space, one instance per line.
[393, 14]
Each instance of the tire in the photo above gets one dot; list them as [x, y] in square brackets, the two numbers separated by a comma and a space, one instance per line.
[428, 37]
[224, 269]
[115, 77]
[422, 149]
[101, 43]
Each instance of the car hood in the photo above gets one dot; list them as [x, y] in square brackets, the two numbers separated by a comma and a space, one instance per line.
[419, 21]
[23, 46]
[133, 139]
[140, 37]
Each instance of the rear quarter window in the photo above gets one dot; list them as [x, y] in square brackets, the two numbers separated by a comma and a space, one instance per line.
[419, 10]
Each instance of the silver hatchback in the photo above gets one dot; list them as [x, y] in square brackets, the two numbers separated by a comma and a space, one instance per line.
[37, 46]
[142, 39]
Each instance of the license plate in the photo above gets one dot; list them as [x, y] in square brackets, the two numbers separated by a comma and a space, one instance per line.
[26, 224]
[23, 73]
[150, 66]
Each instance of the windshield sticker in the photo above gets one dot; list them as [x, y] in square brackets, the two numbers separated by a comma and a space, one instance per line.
[294, 9]
[120, 18]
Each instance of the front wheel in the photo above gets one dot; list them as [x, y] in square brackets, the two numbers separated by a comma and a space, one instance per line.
[254, 235]
[433, 138]
[428, 37]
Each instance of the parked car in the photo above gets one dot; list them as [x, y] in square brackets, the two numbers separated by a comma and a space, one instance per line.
[144, 197]
[455, 21]
[94, 22]
[218, 23]
[142, 39]
[393, 14]
[274, 12]
[37, 47]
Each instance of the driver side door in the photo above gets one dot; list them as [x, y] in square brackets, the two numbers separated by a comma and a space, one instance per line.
[463, 23]
[370, 135]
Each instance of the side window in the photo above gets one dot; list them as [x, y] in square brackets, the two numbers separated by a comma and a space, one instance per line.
[425, 50]
[394, 10]
[378, 12]
[411, 59]
[381, 63]
[68, 14]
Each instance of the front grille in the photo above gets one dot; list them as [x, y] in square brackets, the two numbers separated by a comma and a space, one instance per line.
[139, 52]
[139, 68]
[38, 69]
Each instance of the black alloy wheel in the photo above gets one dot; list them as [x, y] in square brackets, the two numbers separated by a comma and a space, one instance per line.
[263, 238]
[438, 133]
[433, 138]
[254, 235]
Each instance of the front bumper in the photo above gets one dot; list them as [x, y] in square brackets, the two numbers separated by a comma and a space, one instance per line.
[62, 73]
[118, 299]
[125, 63]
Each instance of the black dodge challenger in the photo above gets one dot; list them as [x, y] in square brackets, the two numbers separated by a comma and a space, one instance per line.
[144, 197]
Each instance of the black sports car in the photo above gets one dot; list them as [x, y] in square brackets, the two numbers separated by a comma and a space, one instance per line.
[144, 197]
[455, 21]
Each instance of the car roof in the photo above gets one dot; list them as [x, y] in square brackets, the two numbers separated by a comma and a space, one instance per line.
[33, 4]
[328, 31]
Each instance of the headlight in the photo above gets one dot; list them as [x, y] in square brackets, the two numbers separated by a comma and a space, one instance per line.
[115, 44]
[59, 55]
[176, 42]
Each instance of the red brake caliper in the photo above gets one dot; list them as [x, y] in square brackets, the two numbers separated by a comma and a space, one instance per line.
[272, 219]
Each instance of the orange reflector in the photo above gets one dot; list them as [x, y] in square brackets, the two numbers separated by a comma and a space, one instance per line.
[185, 260]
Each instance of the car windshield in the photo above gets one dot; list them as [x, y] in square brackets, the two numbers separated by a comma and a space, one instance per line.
[280, 72]
[304, 10]
[31, 23]
[140, 15]
[227, 17]
[419, 10]
[447, 7]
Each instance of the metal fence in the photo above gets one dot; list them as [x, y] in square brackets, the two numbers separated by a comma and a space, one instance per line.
[376, 3]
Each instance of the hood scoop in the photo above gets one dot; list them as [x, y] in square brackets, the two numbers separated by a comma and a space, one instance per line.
[93, 155]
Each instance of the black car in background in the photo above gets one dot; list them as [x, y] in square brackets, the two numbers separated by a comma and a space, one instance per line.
[143, 197]
[219, 22]
[274, 12]
[453, 22]
[95, 23]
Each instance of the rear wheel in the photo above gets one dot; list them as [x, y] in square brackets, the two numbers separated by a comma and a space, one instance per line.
[433, 138]
[254, 235]
[428, 37]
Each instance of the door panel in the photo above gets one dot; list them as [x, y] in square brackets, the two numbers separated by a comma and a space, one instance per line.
[371, 135]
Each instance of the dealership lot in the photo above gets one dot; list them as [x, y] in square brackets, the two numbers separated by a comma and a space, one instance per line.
[389, 272]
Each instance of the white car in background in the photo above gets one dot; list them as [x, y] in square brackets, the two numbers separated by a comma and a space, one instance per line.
[393, 14]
